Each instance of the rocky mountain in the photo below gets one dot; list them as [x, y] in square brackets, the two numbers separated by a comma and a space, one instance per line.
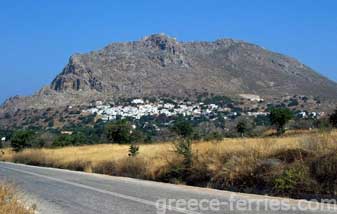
[159, 65]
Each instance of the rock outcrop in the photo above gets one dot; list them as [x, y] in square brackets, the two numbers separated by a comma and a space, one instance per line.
[159, 65]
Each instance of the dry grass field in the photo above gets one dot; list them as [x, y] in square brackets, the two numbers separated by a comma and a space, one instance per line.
[157, 155]
[9, 202]
[274, 165]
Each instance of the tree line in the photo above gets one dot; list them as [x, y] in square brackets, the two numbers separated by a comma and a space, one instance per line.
[125, 132]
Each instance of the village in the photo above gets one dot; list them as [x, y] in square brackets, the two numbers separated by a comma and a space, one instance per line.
[137, 108]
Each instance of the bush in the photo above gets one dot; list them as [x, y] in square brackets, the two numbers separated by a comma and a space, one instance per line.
[333, 119]
[303, 124]
[323, 124]
[324, 169]
[197, 174]
[175, 172]
[22, 139]
[236, 174]
[118, 132]
[183, 128]
[184, 149]
[295, 180]
[75, 139]
[133, 150]
[262, 120]
[280, 117]
[242, 127]
[293, 102]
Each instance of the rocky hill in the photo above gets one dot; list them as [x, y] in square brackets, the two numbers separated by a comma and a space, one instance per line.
[159, 65]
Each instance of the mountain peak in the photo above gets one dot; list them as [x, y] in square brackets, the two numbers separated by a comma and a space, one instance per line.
[158, 36]
[161, 41]
[159, 65]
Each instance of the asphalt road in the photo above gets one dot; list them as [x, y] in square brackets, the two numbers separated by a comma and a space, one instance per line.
[63, 191]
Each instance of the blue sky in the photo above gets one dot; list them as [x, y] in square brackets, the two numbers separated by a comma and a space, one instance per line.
[37, 37]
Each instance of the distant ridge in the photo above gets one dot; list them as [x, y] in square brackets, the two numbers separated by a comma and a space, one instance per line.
[159, 65]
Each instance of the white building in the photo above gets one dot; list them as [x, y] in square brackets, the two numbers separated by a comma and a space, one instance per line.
[137, 101]
[99, 103]
[3, 139]
[252, 97]
[66, 132]
[302, 114]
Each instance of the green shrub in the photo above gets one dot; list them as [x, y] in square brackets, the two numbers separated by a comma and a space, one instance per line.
[293, 102]
[22, 139]
[242, 127]
[75, 139]
[333, 119]
[184, 149]
[175, 172]
[133, 150]
[180, 170]
[294, 181]
[183, 128]
[198, 174]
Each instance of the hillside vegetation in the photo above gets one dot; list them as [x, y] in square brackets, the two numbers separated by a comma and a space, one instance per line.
[298, 165]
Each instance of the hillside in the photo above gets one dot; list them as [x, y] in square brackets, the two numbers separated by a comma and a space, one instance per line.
[159, 65]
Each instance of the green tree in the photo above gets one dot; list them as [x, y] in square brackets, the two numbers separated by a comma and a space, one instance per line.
[184, 146]
[119, 132]
[242, 127]
[279, 117]
[75, 139]
[183, 128]
[22, 139]
[333, 119]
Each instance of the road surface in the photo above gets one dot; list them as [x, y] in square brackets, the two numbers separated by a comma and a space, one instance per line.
[68, 192]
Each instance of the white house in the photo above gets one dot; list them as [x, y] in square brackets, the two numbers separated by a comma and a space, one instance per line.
[302, 114]
[99, 103]
[252, 97]
[137, 101]
[3, 139]
[66, 132]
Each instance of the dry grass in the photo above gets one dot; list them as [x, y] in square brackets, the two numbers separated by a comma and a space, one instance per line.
[9, 203]
[157, 155]
[247, 164]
